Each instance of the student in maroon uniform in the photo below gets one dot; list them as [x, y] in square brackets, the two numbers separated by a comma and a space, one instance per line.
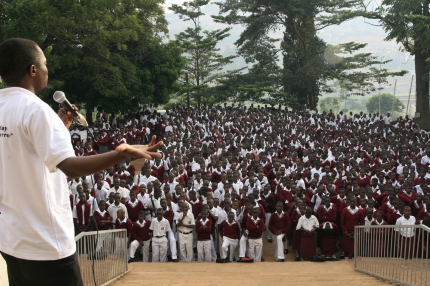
[134, 207]
[140, 234]
[82, 214]
[377, 245]
[122, 222]
[307, 225]
[351, 216]
[254, 232]
[230, 232]
[204, 230]
[328, 232]
[102, 217]
[279, 225]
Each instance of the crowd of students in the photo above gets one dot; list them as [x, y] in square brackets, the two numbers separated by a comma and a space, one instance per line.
[232, 178]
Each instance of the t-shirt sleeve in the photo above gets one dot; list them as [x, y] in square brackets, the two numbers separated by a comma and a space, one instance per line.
[50, 137]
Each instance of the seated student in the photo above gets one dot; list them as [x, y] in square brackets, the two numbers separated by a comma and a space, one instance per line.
[122, 222]
[406, 236]
[329, 233]
[230, 232]
[184, 224]
[279, 225]
[82, 214]
[140, 234]
[159, 226]
[307, 226]
[203, 230]
[134, 207]
[254, 231]
[102, 217]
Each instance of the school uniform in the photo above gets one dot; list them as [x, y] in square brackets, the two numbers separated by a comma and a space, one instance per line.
[133, 209]
[140, 233]
[280, 222]
[169, 215]
[255, 228]
[407, 237]
[349, 219]
[185, 236]
[230, 233]
[99, 216]
[377, 244]
[307, 241]
[159, 240]
[82, 212]
[113, 209]
[120, 242]
[203, 230]
[328, 238]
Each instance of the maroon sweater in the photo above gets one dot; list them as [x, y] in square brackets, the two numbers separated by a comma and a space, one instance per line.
[203, 231]
[140, 233]
[133, 212]
[255, 229]
[230, 231]
[124, 225]
[323, 215]
[276, 223]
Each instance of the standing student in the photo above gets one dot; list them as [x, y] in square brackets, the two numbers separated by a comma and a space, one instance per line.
[159, 226]
[255, 229]
[307, 226]
[82, 214]
[230, 232]
[184, 224]
[279, 225]
[379, 236]
[406, 236]
[117, 205]
[203, 230]
[168, 214]
[140, 234]
[102, 217]
[351, 216]
[134, 207]
[122, 222]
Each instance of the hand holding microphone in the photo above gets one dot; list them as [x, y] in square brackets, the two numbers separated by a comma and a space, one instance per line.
[60, 97]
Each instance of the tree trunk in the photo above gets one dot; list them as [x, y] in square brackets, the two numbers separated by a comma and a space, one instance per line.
[422, 89]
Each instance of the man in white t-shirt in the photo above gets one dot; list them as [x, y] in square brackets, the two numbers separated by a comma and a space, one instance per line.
[39, 247]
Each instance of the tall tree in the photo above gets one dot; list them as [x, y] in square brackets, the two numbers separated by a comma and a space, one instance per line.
[99, 52]
[407, 22]
[306, 69]
[205, 65]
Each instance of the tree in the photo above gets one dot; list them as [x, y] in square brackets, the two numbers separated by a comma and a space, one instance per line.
[384, 103]
[99, 53]
[407, 23]
[330, 103]
[204, 66]
[308, 63]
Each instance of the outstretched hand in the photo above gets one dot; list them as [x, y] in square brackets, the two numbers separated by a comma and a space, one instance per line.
[141, 151]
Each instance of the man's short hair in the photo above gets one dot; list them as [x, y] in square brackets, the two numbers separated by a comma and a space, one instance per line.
[16, 57]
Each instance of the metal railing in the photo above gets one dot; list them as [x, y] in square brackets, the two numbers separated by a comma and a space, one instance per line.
[395, 253]
[102, 255]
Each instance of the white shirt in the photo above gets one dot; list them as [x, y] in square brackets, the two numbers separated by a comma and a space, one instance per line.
[142, 179]
[112, 209]
[307, 223]
[406, 232]
[33, 141]
[159, 228]
[123, 191]
[188, 220]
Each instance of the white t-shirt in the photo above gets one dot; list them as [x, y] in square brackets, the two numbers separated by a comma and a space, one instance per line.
[36, 220]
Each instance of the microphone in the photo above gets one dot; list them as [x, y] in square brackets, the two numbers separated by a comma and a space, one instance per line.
[60, 97]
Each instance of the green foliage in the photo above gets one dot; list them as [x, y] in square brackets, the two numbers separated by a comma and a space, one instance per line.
[387, 102]
[99, 52]
[308, 63]
[329, 103]
[407, 22]
[204, 68]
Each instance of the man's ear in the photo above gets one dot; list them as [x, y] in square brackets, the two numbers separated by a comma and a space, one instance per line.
[32, 70]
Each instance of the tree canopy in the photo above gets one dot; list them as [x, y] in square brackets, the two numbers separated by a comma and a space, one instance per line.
[99, 52]
[384, 103]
